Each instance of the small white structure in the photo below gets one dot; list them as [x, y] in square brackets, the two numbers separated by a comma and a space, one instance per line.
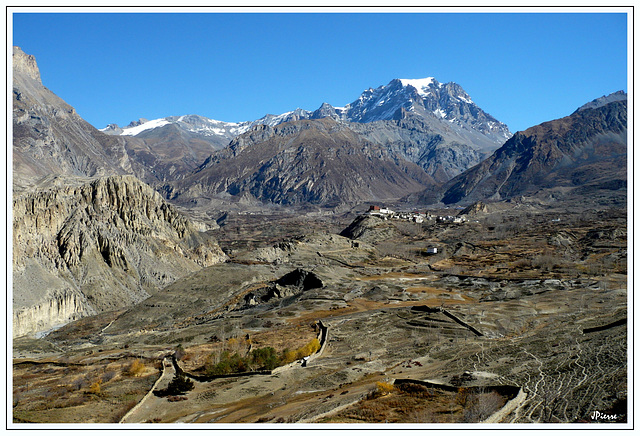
[432, 250]
[451, 219]
[382, 212]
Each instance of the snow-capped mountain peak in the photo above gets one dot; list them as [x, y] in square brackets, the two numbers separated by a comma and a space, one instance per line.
[426, 97]
[421, 85]
[190, 123]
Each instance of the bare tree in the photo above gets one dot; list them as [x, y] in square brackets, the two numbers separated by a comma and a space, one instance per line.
[482, 405]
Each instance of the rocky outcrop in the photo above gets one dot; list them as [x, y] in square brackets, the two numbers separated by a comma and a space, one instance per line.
[291, 284]
[26, 64]
[57, 308]
[277, 253]
[370, 228]
[88, 247]
[474, 209]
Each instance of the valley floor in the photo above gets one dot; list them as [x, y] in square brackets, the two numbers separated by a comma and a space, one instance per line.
[522, 307]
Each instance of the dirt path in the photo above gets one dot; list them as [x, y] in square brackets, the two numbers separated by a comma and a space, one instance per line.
[235, 396]
[151, 407]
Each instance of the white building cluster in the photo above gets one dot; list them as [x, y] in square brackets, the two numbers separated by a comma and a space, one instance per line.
[385, 213]
[417, 217]
[451, 219]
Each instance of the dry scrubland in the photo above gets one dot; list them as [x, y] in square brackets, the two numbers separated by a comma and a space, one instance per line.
[523, 298]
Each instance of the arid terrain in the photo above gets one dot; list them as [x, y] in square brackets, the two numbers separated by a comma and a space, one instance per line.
[405, 259]
[519, 317]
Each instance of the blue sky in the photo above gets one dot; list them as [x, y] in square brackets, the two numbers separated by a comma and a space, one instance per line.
[522, 68]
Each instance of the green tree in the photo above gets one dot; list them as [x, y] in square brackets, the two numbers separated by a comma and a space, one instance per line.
[265, 358]
[179, 385]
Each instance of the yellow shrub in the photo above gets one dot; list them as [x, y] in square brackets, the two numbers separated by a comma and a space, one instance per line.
[136, 369]
[311, 347]
[290, 356]
[384, 388]
[314, 345]
[95, 388]
[304, 351]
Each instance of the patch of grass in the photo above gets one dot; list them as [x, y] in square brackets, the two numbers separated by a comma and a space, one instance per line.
[93, 393]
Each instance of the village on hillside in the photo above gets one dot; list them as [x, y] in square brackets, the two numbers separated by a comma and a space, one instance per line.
[415, 216]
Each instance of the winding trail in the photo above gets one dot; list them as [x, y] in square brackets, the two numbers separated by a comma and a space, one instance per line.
[106, 327]
[150, 405]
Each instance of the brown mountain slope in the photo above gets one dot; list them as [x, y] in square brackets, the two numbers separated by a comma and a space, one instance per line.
[586, 150]
[49, 137]
[321, 162]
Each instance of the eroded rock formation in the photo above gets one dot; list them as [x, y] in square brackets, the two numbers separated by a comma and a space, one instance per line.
[96, 246]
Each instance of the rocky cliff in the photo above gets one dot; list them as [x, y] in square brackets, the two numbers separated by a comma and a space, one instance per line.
[86, 247]
[439, 150]
[59, 308]
[49, 137]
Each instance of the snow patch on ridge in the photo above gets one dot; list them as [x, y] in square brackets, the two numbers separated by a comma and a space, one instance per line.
[280, 118]
[465, 99]
[153, 124]
[419, 84]
[190, 123]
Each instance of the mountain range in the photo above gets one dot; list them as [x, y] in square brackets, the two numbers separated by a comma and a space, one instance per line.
[401, 138]
[321, 162]
[421, 121]
[93, 233]
[426, 97]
